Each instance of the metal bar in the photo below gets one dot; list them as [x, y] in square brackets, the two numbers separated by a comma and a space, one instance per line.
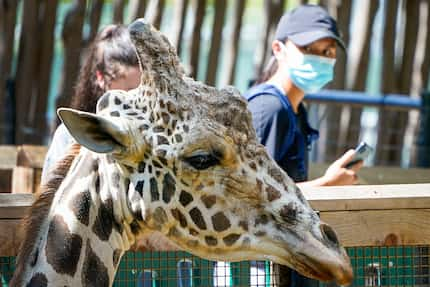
[394, 101]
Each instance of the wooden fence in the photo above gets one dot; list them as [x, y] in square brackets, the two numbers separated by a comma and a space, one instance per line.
[28, 37]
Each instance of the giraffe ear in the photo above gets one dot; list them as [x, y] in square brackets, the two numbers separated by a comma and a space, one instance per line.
[94, 132]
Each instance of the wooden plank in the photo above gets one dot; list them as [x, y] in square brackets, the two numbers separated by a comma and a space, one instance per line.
[369, 197]
[14, 206]
[380, 227]
[8, 156]
[380, 175]
[23, 180]
[5, 180]
[10, 237]
[31, 156]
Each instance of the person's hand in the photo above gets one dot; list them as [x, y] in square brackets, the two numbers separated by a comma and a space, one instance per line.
[337, 174]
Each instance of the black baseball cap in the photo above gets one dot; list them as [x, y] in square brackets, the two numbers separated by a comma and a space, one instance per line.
[306, 24]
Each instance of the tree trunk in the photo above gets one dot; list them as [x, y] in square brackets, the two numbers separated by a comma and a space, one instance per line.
[273, 10]
[95, 16]
[359, 83]
[179, 23]
[425, 67]
[72, 41]
[8, 10]
[394, 123]
[212, 67]
[118, 11]
[25, 92]
[136, 9]
[47, 16]
[200, 6]
[410, 44]
[154, 13]
[232, 46]
[332, 144]
[385, 149]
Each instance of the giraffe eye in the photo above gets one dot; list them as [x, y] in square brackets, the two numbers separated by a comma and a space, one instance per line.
[202, 161]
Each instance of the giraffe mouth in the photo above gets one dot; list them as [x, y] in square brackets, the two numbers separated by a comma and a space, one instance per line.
[324, 270]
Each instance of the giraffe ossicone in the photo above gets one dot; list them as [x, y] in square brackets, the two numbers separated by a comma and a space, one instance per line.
[176, 157]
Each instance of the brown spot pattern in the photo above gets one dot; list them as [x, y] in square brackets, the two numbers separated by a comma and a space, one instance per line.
[80, 206]
[197, 218]
[177, 214]
[289, 213]
[155, 195]
[211, 241]
[62, 247]
[38, 280]
[272, 193]
[94, 272]
[230, 239]
[208, 200]
[169, 187]
[220, 222]
[185, 198]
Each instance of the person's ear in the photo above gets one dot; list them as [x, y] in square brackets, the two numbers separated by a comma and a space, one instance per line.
[100, 80]
[277, 48]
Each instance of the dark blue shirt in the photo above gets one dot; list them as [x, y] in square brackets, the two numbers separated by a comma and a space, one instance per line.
[286, 135]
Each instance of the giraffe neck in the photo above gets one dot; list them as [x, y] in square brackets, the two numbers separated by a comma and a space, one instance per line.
[83, 238]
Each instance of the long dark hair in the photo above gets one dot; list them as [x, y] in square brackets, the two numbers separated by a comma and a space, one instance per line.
[111, 50]
[268, 71]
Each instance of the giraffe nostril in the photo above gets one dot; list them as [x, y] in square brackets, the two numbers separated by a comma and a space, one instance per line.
[329, 234]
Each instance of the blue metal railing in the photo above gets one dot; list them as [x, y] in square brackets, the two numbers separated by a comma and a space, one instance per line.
[364, 99]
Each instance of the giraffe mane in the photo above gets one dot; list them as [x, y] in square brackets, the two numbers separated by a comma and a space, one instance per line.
[35, 217]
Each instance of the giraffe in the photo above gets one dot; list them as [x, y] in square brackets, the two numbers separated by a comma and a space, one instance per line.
[176, 157]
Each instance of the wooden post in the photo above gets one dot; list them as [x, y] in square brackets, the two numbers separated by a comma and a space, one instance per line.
[154, 12]
[26, 72]
[332, 126]
[179, 23]
[352, 130]
[95, 15]
[47, 16]
[72, 39]
[199, 7]
[425, 67]
[212, 67]
[385, 153]
[232, 46]
[7, 38]
[136, 9]
[118, 11]
[273, 11]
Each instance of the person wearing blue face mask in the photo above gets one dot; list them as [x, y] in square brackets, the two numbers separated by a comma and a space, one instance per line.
[304, 55]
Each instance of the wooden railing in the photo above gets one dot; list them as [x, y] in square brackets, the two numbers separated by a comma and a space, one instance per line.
[362, 215]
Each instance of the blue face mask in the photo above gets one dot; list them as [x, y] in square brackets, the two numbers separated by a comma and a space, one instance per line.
[309, 73]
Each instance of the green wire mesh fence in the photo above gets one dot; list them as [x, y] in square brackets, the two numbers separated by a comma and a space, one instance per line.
[373, 266]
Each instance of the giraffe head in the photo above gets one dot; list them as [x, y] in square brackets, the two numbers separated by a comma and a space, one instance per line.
[193, 169]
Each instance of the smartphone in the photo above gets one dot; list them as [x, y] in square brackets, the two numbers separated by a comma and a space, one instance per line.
[362, 151]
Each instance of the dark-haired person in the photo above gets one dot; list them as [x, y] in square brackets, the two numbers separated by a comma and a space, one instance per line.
[304, 54]
[111, 63]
